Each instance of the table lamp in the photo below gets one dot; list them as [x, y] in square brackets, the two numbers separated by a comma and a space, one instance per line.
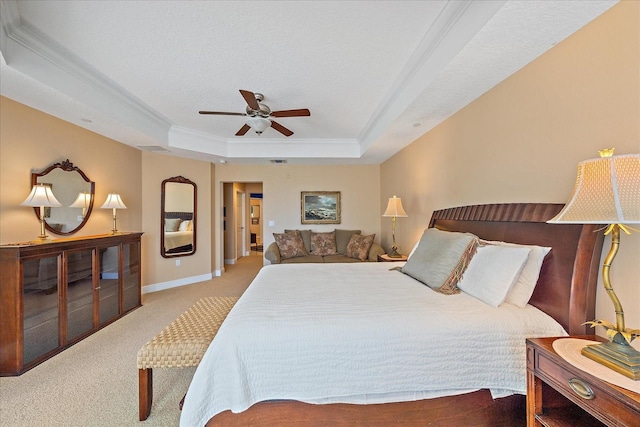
[41, 196]
[82, 201]
[114, 202]
[394, 210]
[607, 191]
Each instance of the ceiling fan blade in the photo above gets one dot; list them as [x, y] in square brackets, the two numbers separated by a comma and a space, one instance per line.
[291, 113]
[222, 113]
[250, 97]
[283, 130]
[244, 129]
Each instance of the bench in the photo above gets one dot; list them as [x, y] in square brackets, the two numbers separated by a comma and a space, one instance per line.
[181, 344]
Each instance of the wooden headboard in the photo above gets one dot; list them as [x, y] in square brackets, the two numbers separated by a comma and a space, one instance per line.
[182, 215]
[566, 289]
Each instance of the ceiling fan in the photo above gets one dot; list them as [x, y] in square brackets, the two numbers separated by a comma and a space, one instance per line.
[260, 115]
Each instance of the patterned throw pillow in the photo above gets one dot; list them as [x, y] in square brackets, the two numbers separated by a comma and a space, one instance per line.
[323, 243]
[342, 239]
[290, 245]
[306, 238]
[359, 245]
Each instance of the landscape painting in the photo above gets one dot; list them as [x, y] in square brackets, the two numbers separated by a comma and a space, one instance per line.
[320, 207]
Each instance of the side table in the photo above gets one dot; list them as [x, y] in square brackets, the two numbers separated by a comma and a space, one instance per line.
[559, 394]
[387, 258]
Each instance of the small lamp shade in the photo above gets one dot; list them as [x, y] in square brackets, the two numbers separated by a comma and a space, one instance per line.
[607, 191]
[41, 195]
[113, 201]
[82, 201]
[394, 208]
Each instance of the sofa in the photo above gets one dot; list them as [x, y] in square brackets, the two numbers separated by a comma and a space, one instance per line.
[337, 246]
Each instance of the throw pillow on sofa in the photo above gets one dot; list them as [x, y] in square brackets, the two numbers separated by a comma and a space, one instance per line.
[359, 246]
[306, 238]
[323, 243]
[290, 245]
[342, 239]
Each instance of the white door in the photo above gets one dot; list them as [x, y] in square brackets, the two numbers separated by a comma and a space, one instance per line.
[240, 224]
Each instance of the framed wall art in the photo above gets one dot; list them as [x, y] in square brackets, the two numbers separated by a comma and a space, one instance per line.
[320, 207]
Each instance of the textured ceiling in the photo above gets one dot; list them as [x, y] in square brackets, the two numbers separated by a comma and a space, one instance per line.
[374, 74]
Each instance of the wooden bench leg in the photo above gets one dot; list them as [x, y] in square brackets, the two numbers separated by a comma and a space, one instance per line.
[145, 390]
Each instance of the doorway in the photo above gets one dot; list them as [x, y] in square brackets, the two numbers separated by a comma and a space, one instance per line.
[242, 220]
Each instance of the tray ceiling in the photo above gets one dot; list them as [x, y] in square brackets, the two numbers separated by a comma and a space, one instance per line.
[374, 74]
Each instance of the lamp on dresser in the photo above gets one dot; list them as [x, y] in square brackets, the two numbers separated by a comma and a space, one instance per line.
[114, 201]
[394, 210]
[41, 196]
[82, 201]
[607, 191]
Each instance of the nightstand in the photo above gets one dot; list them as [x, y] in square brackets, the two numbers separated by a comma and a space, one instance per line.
[559, 394]
[387, 258]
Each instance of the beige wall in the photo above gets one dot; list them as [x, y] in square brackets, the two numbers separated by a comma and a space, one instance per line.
[30, 141]
[281, 185]
[522, 141]
[155, 268]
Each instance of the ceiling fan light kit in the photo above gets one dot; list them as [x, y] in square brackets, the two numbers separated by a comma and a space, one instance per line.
[259, 115]
[258, 124]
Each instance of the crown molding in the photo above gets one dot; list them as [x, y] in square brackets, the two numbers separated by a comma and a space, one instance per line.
[189, 139]
[457, 23]
[31, 52]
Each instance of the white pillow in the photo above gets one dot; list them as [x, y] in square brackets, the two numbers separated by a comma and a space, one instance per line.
[521, 292]
[492, 272]
[171, 224]
[185, 225]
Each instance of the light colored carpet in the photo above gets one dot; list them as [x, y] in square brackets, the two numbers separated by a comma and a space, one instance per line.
[95, 382]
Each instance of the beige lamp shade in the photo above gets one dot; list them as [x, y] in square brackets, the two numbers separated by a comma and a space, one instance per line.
[113, 201]
[607, 191]
[394, 208]
[41, 195]
[82, 201]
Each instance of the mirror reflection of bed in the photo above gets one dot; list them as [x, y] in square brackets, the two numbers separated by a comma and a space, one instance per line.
[178, 233]
[178, 217]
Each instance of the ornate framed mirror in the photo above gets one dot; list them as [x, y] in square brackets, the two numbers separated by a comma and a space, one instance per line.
[73, 189]
[178, 217]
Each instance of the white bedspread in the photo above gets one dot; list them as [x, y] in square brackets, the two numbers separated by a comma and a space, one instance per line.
[358, 333]
[175, 239]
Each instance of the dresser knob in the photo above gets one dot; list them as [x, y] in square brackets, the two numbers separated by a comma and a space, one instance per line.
[581, 388]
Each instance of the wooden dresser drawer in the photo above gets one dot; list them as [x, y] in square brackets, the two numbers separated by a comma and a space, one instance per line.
[609, 404]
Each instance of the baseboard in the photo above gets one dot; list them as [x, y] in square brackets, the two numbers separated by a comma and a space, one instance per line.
[230, 261]
[176, 283]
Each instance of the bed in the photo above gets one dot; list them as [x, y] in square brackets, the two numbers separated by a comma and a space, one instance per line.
[289, 395]
[178, 237]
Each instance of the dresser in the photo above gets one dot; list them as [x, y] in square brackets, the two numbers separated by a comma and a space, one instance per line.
[57, 292]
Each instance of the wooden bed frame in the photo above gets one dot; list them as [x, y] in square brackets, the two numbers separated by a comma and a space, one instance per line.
[566, 291]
